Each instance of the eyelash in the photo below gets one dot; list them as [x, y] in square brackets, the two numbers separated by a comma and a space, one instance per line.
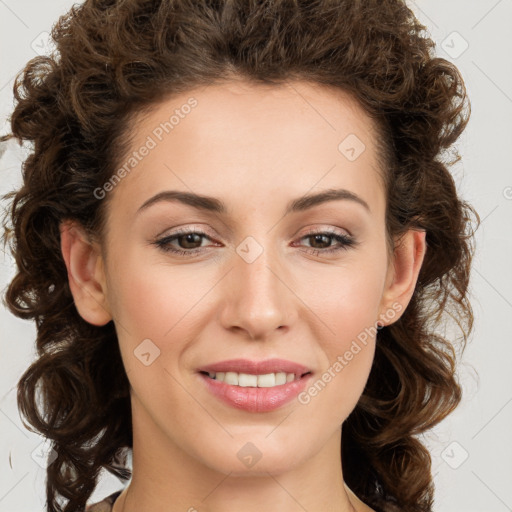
[345, 242]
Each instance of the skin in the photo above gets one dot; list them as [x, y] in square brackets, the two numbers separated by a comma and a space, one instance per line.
[255, 148]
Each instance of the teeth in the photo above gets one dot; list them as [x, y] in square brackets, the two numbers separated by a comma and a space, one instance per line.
[231, 378]
[245, 380]
[268, 380]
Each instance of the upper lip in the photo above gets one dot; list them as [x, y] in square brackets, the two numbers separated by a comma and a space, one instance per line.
[256, 367]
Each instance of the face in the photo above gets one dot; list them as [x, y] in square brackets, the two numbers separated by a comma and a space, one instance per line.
[255, 273]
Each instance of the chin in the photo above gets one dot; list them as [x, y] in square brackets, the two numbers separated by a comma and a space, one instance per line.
[255, 456]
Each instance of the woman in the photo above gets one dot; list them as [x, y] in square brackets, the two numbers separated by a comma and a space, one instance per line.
[224, 197]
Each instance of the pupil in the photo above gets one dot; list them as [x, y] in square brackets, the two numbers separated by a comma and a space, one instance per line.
[318, 238]
[189, 238]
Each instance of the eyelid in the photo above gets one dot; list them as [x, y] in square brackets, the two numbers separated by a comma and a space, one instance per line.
[346, 240]
[326, 230]
[187, 228]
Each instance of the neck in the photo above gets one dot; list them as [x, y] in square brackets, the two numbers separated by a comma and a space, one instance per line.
[167, 479]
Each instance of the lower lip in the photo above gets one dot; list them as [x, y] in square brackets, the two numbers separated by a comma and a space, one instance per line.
[256, 399]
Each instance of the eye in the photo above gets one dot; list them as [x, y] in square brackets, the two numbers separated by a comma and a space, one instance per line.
[321, 242]
[189, 242]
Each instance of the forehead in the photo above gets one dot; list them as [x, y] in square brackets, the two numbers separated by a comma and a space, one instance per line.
[238, 137]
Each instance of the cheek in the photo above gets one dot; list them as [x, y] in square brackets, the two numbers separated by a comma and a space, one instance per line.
[159, 311]
[348, 356]
[348, 304]
[151, 300]
[347, 298]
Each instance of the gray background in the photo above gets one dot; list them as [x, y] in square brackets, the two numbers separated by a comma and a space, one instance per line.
[471, 450]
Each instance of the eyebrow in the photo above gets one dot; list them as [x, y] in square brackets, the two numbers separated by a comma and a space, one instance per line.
[215, 205]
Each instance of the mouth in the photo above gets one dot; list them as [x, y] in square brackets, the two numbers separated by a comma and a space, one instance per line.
[256, 374]
[255, 386]
[249, 380]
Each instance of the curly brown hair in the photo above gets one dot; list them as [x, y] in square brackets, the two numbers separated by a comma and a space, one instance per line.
[113, 59]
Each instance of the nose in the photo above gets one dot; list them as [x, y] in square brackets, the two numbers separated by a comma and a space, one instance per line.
[257, 297]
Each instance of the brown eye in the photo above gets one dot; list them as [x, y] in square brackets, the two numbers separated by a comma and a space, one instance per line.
[187, 241]
[322, 239]
[183, 243]
[321, 242]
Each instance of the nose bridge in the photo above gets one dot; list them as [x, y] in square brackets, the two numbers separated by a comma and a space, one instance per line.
[260, 302]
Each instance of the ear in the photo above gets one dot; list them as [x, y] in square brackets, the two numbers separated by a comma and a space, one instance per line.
[402, 275]
[85, 273]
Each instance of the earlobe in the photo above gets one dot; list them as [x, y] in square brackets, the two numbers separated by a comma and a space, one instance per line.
[403, 275]
[86, 275]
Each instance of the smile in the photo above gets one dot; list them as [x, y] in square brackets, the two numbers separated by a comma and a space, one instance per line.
[255, 386]
[267, 380]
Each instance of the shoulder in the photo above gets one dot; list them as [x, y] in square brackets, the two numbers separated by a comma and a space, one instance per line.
[103, 505]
